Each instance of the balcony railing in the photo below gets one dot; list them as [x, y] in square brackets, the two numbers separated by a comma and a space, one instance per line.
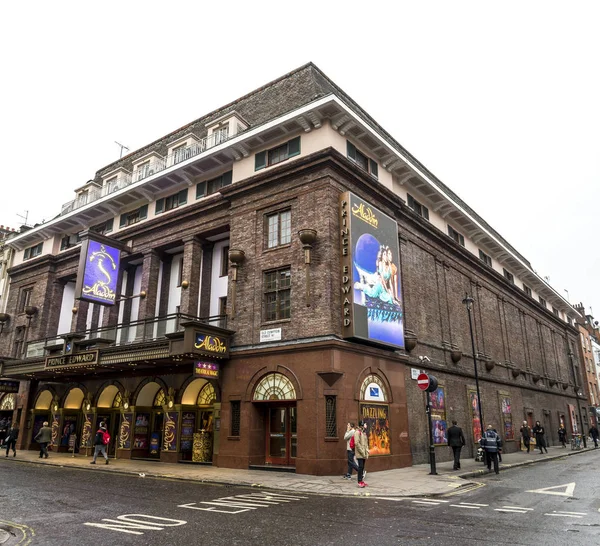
[139, 331]
[179, 155]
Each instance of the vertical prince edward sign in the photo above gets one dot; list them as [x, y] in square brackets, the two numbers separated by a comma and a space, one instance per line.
[98, 272]
[371, 291]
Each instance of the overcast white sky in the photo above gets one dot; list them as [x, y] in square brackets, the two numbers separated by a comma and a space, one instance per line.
[501, 102]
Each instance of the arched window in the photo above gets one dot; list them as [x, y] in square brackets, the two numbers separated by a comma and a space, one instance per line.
[118, 401]
[9, 402]
[275, 386]
[207, 395]
[372, 388]
[159, 399]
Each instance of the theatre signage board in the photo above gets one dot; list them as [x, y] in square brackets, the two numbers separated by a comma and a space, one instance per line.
[372, 307]
[98, 272]
[72, 361]
[9, 386]
[209, 370]
[212, 345]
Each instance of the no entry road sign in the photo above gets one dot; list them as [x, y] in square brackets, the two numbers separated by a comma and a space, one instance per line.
[423, 381]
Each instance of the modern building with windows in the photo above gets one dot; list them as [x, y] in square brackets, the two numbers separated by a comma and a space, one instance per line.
[283, 266]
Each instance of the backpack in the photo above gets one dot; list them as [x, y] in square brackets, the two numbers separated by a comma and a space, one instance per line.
[352, 443]
[105, 438]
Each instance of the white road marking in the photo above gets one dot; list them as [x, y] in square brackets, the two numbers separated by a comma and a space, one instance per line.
[127, 523]
[473, 504]
[466, 506]
[426, 502]
[429, 500]
[571, 513]
[241, 503]
[569, 489]
[510, 510]
[518, 507]
[564, 515]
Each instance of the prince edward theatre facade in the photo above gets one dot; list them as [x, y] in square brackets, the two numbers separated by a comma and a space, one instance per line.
[237, 291]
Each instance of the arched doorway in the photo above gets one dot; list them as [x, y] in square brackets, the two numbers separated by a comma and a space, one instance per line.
[149, 421]
[374, 410]
[197, 416]
[41, 411]
[108, 410]
[8, 403]
[277, 392]
[72, 417]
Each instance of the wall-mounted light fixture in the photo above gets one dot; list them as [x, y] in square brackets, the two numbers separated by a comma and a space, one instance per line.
[236, 257]
[185, 284]
[4, 318]
[307, 238]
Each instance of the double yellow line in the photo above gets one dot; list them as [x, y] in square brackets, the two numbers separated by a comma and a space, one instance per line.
[27, 532]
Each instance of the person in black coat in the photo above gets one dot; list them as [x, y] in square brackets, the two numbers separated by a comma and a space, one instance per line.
[456, 440]
[540, 440]
[11, 440]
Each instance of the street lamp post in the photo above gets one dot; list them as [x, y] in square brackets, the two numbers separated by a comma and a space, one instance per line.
[577, 393]
[468, 302]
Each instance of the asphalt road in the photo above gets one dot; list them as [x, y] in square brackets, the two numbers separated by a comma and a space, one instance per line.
[60, 506]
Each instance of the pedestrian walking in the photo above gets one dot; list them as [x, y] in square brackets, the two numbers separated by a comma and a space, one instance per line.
[562, 435]
[101, 442]
[361, 448]
[350, 447]
[456, 440]
[10, 440]
[526, 435]
[540, 440]
[491, 443]
[594, 434]
[44, 437]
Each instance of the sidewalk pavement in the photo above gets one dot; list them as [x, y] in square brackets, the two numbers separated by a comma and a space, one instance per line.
[413, 481]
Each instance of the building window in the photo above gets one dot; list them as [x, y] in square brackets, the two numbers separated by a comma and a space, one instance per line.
[543, 302]
[527, 290]
[104, 227]
[330, 417]
[33, 251]
[133, 217]
[487, 260]
[421, 210]
[180, 153]
[458, 237]
[365, 163]
[180, 272]
[224, 261]
[172, 202]
[277, 155]
[112, 184]
[19, 337]
[277, 288]
[143, 170]
[221, 134]
[24, 299]
[69, 241]
[279, 228]
[508, 275]
[555, 311]
[223, 312]
[235, 417]
[569, 321]
[212, 186]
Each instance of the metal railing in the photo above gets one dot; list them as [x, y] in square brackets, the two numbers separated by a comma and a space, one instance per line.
[122, 334]
[157, 165]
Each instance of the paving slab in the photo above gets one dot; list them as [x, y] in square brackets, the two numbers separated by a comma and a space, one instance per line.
[415, 481]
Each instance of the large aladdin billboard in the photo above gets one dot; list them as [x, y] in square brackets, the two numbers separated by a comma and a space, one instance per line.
[371, 290]
[98, 272]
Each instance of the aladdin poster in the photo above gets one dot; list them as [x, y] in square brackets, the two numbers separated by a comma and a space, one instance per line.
[438, 417]
[474, 404]
[371, 285]
[98, 273]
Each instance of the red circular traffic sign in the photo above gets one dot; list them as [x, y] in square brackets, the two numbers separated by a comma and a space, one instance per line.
[423, 381]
